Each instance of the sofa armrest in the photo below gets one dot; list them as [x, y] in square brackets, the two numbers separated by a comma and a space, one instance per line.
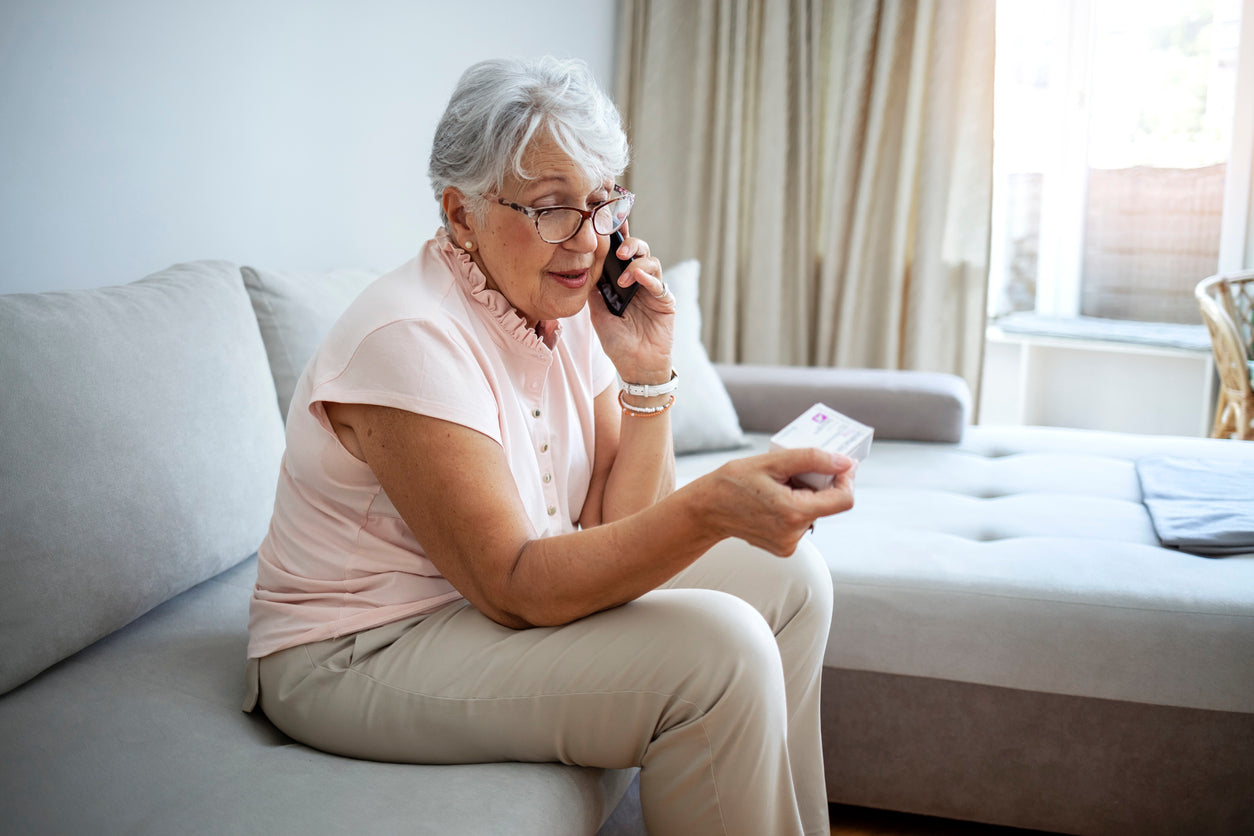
[902, 405]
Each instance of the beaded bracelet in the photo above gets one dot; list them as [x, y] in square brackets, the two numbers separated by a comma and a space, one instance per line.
[647, 411]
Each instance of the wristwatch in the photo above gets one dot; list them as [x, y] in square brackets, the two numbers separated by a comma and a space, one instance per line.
[644, 390]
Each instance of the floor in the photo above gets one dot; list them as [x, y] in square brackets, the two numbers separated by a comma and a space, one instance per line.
[861, 821]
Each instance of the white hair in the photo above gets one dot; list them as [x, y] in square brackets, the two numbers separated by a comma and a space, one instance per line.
[500, 106]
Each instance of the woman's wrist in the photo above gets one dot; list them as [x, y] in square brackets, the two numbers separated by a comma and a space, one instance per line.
[701, 504]
[644, 407]
[647, 399]
[656, 373]
[650, 389]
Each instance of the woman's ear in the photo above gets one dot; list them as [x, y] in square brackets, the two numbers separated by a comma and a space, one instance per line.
[460, 218]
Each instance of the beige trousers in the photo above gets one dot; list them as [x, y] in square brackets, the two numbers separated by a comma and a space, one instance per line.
[710, 684]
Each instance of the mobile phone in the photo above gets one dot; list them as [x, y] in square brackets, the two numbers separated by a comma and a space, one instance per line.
[616, 298]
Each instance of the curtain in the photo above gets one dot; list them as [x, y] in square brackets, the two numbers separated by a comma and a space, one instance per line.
[829, 164]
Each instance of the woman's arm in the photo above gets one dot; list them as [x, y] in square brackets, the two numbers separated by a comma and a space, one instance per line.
[452, 486]
[634, 460]
[644, 472]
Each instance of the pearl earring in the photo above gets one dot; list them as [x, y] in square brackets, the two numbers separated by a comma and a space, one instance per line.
[470, 245]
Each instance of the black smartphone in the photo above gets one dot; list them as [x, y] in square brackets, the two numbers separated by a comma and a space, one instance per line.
[616, 298]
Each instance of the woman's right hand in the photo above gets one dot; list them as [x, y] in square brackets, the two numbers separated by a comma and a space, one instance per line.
[756, 499]
[640, 342]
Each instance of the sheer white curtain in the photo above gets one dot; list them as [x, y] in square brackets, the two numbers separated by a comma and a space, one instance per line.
[829, 163]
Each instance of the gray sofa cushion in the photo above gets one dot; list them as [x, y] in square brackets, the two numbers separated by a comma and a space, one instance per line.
[139, 455]
[899, 405]
[1024, 558]
[142, 733]
[295, 311]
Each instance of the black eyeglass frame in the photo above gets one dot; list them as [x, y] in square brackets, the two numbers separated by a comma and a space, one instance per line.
[586, 214]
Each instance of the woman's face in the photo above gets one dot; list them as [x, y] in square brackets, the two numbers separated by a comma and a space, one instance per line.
[542, 281]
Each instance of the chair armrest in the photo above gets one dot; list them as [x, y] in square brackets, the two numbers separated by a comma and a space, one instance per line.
[902, 405]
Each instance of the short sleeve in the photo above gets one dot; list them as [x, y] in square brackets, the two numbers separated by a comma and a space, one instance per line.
[417, 366]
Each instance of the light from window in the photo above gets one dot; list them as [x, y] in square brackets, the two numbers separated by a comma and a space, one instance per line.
[1113, 132]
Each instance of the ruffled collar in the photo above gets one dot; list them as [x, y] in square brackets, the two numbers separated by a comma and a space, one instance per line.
[512, 324]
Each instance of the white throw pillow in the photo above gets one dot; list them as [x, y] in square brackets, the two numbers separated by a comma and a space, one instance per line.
[703, 417]
[295, 310]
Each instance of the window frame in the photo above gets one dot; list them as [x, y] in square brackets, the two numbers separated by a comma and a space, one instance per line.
[1064, 183]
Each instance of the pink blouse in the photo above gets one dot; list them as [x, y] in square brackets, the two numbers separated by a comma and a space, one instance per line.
[431, 338]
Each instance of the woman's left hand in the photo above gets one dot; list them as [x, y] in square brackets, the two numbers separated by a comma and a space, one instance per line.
[640, 341]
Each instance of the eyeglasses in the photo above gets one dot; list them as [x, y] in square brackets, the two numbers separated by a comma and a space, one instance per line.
[556, 224]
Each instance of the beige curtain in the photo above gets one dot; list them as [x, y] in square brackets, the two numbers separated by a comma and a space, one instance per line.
[830, 165]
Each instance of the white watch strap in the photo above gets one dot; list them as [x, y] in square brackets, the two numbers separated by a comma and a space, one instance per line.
[644, 390]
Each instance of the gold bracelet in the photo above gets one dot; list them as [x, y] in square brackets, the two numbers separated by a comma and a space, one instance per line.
[647, 411]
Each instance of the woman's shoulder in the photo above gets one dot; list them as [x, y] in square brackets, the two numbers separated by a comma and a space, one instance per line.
[420, 290]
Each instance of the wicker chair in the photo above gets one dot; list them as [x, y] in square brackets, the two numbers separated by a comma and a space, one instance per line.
[1227, 303]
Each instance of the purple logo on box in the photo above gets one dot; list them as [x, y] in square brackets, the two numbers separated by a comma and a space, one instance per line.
[819, 417]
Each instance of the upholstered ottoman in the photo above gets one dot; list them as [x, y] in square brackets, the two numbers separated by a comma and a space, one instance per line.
[1012, 644]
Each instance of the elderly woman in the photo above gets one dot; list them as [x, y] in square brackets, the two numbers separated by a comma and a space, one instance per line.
[478, 552]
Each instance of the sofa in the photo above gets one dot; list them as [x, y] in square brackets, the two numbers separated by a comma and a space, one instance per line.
[1011, 642]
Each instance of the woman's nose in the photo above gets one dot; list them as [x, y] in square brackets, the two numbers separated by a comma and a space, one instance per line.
[585, 239]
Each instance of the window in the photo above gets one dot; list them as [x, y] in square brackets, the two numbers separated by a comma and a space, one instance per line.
[1122, 160]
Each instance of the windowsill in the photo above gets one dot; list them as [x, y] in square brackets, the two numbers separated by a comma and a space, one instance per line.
[1098, 374]
[1125, 334]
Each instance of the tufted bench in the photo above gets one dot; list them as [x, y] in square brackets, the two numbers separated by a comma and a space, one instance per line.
[1011, 644]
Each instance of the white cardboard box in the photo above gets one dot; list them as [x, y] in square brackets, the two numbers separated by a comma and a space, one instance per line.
[823, 427]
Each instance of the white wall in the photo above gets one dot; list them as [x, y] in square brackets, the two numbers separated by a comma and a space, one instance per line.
[1097, 385]
[290, 134]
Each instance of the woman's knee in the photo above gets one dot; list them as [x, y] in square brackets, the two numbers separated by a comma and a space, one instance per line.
[711, 641]
[812, 579]
[795, 587]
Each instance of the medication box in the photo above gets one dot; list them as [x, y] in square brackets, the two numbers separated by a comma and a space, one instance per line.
[823, 427]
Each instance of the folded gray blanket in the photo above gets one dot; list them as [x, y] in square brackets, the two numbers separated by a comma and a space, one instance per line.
[1201, 506]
